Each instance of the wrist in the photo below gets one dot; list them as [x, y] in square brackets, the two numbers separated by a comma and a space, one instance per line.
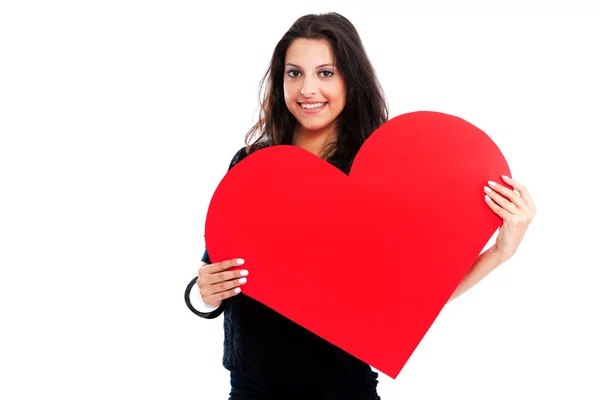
[499, 255]
[198, 303]
[192, 294]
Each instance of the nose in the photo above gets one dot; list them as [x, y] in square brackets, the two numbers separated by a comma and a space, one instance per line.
[308, 87]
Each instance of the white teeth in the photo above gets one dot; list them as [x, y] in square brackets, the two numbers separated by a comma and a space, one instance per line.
[315, 105]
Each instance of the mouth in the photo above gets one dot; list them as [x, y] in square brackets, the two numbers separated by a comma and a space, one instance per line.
[312, 107]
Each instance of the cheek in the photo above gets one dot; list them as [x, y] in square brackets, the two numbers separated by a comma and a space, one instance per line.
[337, 99]
[336, 94]
[289, 93]
[287, 97]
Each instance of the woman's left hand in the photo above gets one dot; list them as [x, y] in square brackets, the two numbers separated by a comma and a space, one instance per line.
[517, 211]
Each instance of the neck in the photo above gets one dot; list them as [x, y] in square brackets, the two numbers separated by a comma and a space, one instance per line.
[314, 141]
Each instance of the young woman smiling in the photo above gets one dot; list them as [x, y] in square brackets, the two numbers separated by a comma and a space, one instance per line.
[322, 95]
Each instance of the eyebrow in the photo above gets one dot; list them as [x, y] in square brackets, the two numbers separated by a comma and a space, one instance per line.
[318, 66]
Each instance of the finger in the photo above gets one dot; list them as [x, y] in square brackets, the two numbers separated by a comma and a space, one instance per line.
[215, 272]
[210, 290]
[510, 194]
[215, 298]
[211, 279]
[203, 265]
[522, 191]
[224, 265]
[499, 200]
[207, 278]
[497, 209]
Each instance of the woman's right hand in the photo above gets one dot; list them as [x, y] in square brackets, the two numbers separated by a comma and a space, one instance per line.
[216, 283]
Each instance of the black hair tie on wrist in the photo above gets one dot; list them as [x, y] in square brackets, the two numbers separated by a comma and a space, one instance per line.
[207, 315]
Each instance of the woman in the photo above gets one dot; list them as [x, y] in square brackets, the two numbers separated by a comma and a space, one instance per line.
[322, 95]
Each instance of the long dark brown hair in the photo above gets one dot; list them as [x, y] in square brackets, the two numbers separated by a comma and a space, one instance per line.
[365, 107]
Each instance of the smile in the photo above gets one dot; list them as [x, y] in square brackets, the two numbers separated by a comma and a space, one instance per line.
[312, 108]
[313, 105]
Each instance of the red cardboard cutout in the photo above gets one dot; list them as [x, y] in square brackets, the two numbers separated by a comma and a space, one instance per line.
[365, 261]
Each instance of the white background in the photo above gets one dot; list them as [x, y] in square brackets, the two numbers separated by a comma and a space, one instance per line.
[119, 118]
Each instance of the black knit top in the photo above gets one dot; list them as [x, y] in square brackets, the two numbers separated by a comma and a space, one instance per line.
[277, 355]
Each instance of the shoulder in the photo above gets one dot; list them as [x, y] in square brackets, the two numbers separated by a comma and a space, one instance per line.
[238, 156]
[245, 151]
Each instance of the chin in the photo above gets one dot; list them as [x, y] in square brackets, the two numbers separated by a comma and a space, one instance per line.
[314, 127]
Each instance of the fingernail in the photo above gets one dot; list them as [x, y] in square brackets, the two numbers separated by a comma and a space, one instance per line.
[237, 290]
[243, 280]
[505, 177]
[240, 261]
[243, 272]
[487, 189]
[487, 198]
[492, 183]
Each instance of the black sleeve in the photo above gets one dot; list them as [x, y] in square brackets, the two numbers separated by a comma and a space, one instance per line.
[205, 258]
[208, 315]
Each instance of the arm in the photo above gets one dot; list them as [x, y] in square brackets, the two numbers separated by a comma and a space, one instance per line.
[196, 298]
[194, 301]
[483, 265]
[516, 208]
[192, 296]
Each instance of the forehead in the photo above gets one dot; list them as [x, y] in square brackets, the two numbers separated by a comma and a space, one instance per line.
[309, 53]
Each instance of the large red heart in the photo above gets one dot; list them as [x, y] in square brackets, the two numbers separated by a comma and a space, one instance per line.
[367, 260]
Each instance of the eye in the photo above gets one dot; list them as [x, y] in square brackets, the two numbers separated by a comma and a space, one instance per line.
[327, 72]
[291, 72]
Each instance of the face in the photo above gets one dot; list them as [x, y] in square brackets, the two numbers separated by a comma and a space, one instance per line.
[313, 88]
